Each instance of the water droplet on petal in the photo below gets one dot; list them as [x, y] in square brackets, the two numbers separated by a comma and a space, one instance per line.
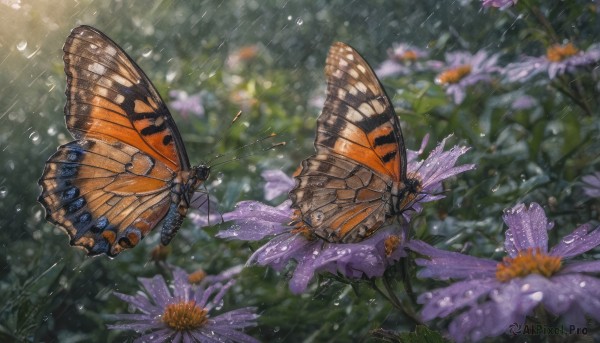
[299, 21]
[22, 45]
[537, 296]
[582, 284]
[525, 287]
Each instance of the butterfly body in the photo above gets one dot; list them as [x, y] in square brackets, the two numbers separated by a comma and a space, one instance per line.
[127, 169]
[358, 179]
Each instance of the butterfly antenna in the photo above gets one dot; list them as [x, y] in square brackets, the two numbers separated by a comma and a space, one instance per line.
[224, 132]
[241, 157]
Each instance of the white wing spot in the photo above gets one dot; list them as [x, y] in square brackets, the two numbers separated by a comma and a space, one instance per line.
[361, 87]
[379, 108]
[343, 63]
[361, 68]
[366, 109]
[353, 73]
[97, 68]
[342, 93]
[350, 57]
[102, 91]
[110, 50]
[353, 115]
[119, 99]
[120, 79]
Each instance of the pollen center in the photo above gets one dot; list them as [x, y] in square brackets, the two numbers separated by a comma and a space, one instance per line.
[409, 55]
[184, 316]
[527, 262]
[557, 52]
[453, 75]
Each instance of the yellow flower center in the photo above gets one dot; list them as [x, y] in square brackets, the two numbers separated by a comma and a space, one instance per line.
[184, 316]
[197, 276]
[408, 55]
[557, 52]
[453, 75]
[526, 263]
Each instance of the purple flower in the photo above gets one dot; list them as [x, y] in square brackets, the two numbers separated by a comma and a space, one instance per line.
[592, 185]
[185, 104]
[463, 70]
[491, 296]
[559, 59]
[502, 4]
[368, 258]
[404, 59]
[277, 183]
[524, 102]
[184, 314]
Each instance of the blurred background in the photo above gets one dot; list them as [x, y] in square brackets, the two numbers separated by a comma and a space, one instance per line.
[211, 59]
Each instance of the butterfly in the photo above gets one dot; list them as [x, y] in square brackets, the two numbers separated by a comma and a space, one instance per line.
[127, 169]
[357, 180]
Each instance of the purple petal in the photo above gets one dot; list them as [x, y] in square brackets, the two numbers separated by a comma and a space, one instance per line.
[527, 228]
[280, 250]
[277, 183]
[165, 335]
[577, 242]
[441, 302]
[592, 185]
[255, 220]
[391, 68]
[580, 267]
[141, 302]
[181, 288]
[157, 289]
[509, 304]
[353, 260]
[444, 265]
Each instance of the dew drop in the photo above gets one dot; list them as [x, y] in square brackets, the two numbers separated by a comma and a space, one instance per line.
[18, 208]
[537, 296]
[582, 284]
[34, 136]
[299, 21]
[52, 130]
[147, 52]
[569, 239]
[3, 192]
[525, 287]
[22, 45]
[289, 17]
[445, 302]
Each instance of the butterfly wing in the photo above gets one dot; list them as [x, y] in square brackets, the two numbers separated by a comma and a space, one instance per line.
[111, 186]
[343, 192]
[110, 98]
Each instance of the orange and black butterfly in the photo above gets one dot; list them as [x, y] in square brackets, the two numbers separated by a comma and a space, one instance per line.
[127, 169]
[357, 179]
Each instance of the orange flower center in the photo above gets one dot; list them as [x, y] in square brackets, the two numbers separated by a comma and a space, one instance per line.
[526, 263]
[453, 75]
[391, 243]
[557, 52]
[408, 55]
[184, 316]
[197, 276]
